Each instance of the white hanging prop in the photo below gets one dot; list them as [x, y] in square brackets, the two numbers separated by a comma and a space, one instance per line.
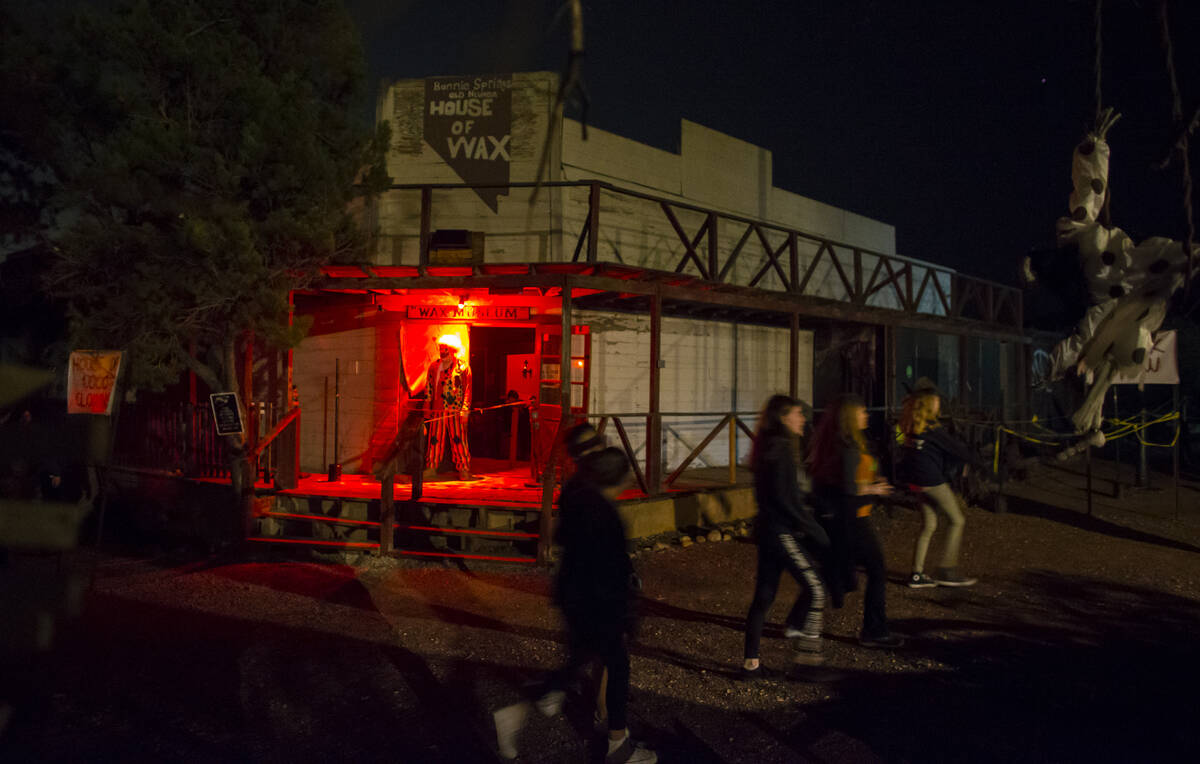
[1129, 285]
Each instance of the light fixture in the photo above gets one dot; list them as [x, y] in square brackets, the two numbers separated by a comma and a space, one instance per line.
[525, 370]
[462, 300]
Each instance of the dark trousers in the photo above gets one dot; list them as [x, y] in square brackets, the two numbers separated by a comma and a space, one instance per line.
[775, 555]
[869, 554]
[590, 636]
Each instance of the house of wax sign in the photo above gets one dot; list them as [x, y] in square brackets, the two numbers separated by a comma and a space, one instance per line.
[468, 122]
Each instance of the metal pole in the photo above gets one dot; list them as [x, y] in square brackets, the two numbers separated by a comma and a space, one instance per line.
[325, 423]
[1179, 424]
[1002, 473]
[335, 468]
[1117, 445]
[1089, 478]
[1143, 476]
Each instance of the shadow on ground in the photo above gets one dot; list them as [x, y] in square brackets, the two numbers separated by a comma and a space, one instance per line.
[1080, 670]
[1071, 669]
[1091, 523]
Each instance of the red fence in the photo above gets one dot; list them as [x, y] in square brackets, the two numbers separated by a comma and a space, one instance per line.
[181, 438]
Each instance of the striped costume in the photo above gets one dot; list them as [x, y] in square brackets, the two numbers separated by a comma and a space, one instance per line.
[449, 391]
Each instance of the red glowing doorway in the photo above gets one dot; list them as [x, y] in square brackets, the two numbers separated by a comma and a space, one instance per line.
[497, 369]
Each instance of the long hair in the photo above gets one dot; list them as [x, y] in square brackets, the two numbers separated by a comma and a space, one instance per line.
[770, 425]
[837, 429]
[917, 416]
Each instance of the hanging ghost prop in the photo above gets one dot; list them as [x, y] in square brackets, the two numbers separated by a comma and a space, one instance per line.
[1129, 285]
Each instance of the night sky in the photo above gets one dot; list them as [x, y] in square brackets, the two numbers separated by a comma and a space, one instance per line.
[954, 123]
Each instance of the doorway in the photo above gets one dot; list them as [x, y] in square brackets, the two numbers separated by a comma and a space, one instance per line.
[496, 355]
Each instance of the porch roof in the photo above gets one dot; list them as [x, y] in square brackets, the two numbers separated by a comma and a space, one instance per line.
[978, 311]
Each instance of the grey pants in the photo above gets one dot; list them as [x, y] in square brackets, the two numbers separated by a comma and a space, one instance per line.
[941, 497]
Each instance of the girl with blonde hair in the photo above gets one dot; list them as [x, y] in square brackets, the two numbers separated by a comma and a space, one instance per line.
[928, 458]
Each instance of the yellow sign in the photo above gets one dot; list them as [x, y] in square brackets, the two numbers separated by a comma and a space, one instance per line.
[91, 381]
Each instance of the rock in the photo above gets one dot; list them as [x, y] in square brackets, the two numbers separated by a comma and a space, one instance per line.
[714, 535]
[659, 546]
[701, 539]
[685, 541]
[727, 537]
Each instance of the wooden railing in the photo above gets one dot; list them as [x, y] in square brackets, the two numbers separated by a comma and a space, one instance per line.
[856, 275]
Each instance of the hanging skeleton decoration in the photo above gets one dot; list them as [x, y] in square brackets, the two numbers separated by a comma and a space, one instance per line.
[1129, 284]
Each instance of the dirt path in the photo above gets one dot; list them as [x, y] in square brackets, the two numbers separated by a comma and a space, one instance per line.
[1078, 644]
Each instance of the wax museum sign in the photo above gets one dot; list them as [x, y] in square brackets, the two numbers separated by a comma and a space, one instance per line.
[468, 122]
[469, 312]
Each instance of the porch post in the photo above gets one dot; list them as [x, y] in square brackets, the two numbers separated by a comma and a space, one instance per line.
[654, 418]
[250, 463]
[963, 380]
[287, 471]
[889, 368]
[546, 519]
[593, 221]
[387, 510]
[426, 224]
[794, 356]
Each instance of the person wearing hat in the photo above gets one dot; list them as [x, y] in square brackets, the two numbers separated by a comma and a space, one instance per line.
[927, 459]
[448, 402]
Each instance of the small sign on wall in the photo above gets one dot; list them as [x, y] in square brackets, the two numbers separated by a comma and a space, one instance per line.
[227, 414]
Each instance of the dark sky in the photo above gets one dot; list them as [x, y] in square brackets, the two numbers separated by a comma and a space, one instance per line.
[952, 121]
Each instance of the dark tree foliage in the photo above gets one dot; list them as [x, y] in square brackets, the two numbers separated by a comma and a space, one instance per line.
[205, 158]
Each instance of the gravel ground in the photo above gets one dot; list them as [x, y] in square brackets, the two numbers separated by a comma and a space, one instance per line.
[1078, 644]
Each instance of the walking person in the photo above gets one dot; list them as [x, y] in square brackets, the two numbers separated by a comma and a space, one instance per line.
[846, 484]
[788, 536]
[581, 440]
[929, 458]
[595, 587]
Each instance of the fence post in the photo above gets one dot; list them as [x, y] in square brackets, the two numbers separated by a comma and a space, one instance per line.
[1001, 474]
[1143, 470]
[732, 447]
[387, 509]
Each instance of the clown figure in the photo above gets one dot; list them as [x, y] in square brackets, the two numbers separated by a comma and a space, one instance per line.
[448, 402]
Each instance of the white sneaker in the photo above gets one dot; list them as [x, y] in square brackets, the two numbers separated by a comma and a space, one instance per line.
[631, 752]
[791, 632]
[551, 703]
[509, 721]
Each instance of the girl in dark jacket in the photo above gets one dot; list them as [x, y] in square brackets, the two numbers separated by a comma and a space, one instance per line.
[787, 535]
[846, 483]
[928, 458]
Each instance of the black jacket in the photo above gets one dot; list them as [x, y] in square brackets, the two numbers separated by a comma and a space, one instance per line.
[596, 573]
[784, 505]
[932, 458]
